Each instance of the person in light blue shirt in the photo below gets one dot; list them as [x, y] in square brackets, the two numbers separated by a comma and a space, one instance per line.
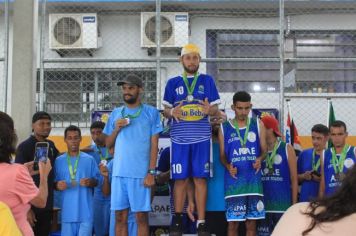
[106, 172]
[76, 174]
[133, 131]
[308, 164]
[101, 203]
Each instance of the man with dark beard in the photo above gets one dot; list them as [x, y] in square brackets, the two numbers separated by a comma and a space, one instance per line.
[39, 218]
[133, 130]
[189, 99]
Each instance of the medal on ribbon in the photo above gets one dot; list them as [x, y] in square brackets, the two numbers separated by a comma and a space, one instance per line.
[338, 163]
[73, 170]
[270, 158]
[190, 88]
[242, 141]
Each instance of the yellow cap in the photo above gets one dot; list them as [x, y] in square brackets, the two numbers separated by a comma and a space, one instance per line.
[190, 48]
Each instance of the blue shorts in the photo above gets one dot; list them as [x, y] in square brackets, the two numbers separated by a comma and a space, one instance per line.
[77, 229]
[249, 207]
[101, 217]
[266, 226]
[191, 160]
[130, 193]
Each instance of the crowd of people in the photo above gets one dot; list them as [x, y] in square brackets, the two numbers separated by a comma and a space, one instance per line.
[226, 177]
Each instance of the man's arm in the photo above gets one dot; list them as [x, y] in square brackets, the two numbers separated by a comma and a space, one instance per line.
[292, 162]
[222, 149]
[149, 179]
[263, 147]
[22, 155]
[322, 176]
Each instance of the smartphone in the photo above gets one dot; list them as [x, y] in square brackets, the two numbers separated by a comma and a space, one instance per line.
[41, 154]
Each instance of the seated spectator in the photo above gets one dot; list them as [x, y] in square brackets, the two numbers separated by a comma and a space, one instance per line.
[332, 215]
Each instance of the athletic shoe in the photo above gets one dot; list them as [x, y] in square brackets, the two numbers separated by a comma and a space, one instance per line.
[203, 230]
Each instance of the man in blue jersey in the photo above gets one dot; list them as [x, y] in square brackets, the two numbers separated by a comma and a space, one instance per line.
[337, 160]
[242, 149]
[76, 174]
[279, 177]
[189, 99]
[101, 203]
[309, 164]
[133, 131]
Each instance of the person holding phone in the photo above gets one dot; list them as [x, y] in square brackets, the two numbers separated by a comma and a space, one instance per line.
[40, 219]
[17, 189]
[76, 176]
[308, 164]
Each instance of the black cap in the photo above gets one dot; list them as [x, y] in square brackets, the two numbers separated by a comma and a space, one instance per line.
[40, 115]
[131, 79]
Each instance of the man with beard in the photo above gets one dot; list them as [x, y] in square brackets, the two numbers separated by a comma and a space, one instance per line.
[189, 99]
[133, 130]
[40, 219]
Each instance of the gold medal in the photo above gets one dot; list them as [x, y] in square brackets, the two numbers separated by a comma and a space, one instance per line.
[73, 183]
[270, 171]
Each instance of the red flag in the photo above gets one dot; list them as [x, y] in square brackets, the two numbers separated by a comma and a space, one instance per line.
[292, 136]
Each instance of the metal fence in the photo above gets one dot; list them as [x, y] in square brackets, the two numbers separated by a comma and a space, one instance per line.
[276, 50]
[3, 52]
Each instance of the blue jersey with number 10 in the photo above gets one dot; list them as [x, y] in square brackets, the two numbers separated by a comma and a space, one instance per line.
[194, 125]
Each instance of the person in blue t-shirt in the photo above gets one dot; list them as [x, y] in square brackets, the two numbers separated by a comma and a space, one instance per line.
[309, 164]
[101, 203]
[76, 174]
[242, 150]
[336, 160]
[106, 172]
[133, 131]
[189, 99]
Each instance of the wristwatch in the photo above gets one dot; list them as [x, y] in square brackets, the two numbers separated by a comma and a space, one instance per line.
[152, 171]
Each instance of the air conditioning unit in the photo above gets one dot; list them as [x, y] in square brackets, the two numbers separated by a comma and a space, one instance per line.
[73, 31]
[174, 29]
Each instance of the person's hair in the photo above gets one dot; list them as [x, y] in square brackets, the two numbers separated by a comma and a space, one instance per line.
[338, 124]
[241, 96]
[321, 129]
[97, 125]
[342, 203]
[8, 137]
[72, 128]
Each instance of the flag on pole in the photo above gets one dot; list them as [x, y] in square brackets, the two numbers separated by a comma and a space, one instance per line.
[292, 136]
[331, 117]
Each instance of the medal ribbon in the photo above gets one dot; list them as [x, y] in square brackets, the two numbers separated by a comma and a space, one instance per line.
[131, 116]
[339, 164]
[106, 157]
[72, 171]
[317, 164]
[190, 88]
[270, 156]
[236, 125]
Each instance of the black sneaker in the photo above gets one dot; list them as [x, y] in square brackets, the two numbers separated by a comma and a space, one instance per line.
[203, 230]
[175, 229]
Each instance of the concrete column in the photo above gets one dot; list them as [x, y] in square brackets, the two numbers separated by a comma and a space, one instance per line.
[23, 66]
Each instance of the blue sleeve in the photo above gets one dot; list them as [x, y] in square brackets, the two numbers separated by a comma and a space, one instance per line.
[95, 173]
[110, 125]
[164, 160]
[300, 163]
[20, 155]
[57, 169]
[110, 166]
[168, 98]
[156, 125]
[213, 96]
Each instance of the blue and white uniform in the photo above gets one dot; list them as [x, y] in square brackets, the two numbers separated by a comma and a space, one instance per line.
[276, 189]
[77, 201]
[309, 189]
[132, 157]
[244, 195]
[331, 182]
[191, 136]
